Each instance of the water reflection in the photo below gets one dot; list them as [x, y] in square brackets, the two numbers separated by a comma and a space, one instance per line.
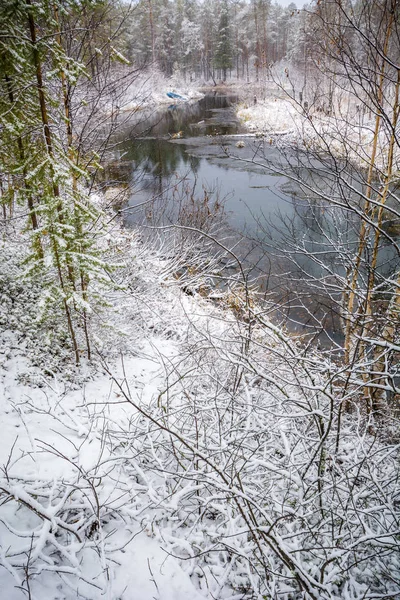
[213, 114]
[293, 238]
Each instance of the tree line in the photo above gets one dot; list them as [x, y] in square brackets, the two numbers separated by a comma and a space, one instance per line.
[214, 39]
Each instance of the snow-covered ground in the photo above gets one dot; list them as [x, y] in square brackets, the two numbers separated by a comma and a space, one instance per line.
[347, 133]
[199, 454]
[150, 90]
[57, 461]
[55, 448]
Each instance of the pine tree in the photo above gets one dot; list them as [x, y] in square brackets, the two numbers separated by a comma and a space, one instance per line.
[43, 162]
[223, 52]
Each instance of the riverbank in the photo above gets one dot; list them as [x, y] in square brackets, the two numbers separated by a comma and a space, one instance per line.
[150, 91]
[346, 133]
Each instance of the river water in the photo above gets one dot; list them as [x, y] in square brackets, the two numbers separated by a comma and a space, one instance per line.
[202, 146]
[209, 133]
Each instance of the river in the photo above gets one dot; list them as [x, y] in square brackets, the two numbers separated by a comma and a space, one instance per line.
[202, 146]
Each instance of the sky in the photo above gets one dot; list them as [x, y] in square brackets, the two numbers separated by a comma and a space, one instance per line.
[298, 3]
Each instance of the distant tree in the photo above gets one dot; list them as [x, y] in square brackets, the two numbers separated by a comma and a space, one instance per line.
[191, 46]
[208, 19]
[167, 42]
[223, 51]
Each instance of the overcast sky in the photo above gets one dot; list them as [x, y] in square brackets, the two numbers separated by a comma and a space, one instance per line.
[298, 3]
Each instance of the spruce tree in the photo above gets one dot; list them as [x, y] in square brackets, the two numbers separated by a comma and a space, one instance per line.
[223, 53]
[42, 163]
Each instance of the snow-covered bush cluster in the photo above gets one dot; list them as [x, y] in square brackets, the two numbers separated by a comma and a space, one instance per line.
[21, 302]
[211, 458]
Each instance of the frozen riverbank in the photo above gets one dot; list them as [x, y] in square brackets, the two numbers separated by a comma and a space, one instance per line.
[346, 132]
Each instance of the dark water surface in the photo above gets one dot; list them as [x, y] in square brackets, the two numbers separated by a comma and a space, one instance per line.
[202, 146]
[208, 133]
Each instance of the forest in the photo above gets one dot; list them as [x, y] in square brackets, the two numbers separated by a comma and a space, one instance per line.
[192, 407]
[216, 40]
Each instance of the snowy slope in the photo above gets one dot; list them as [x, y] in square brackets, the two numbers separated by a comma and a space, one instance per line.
[184, 462]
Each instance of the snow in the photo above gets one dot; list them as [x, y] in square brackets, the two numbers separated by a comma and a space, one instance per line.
[271, 116]
[53, 433]
[47, 434]
[150, 90]
[119, 480]
[155, 573]
[346, 133]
